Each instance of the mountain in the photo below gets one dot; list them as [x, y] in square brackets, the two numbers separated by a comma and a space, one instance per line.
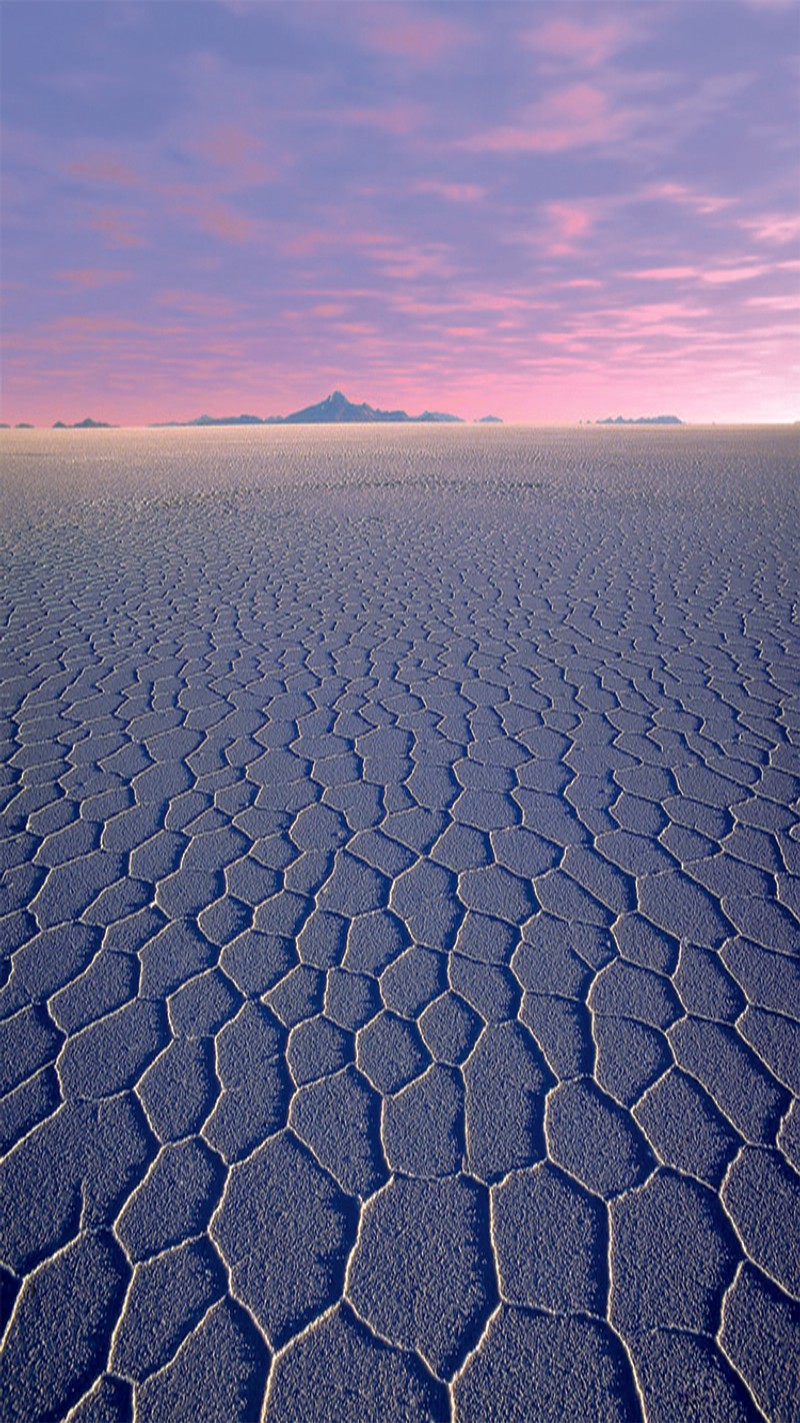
[87, 424]
[642, 420]
[489, 420]
[336, 409]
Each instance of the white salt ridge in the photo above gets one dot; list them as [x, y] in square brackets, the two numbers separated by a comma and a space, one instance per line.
[399, 918]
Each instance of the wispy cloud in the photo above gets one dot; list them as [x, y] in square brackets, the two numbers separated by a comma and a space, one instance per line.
[579, 116]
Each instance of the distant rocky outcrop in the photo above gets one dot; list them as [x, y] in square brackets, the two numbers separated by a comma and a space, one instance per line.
[640, 420]
[335, 409]
[87, 424]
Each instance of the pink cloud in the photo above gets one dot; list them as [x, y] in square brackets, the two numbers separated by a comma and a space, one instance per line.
[233, 148]
[664, 274]
[116, 226]
[773, 227]
[196, 303]
[398, 119]
[577, 117]
[723, 276]
[572, 41]
[104, 170]
[705, 203]
[426, 38]
[451, 192]
[92, 278]
[220, 220]
[569, 222]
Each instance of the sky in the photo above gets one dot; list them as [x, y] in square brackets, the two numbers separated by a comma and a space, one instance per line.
[544, 210]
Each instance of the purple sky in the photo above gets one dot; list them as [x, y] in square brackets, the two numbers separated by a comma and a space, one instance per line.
[547, 211]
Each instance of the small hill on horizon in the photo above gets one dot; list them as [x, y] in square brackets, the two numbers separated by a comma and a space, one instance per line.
[335, 409]
[640, 420]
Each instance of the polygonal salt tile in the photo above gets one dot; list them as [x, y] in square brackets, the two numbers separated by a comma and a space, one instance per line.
[593, 1139]
[623, 990]
[298, 995]
[630, 1056]
[491, 990]
[389, 1052]
[200, 1007]
[110, 1400]
[686, 1370]
[762, 1196]
[505, 1080]
[251, 882]
[524, 852]
[234, 1392]
[685, 1128]
[27, 1105]
[733, 1076]
[760, 1334]
[284, 1229]
[373, 940]
[449, 1028]
[682, 908]
[536, 1366]
[317, 1048]
[351, 999]
[562, 1030]
[179, 1089]
[339, 1360]
[673, 1255]
[769, 980]
[255, 1080]
[112, 1053]
[57, 1343]
[421, 1272]
[256, 962]
[776, 1039]
[551, 1241]
[640, 942]
[412, 980]
[28, 1041]
[225, 919]
[425, 899]
[174, 1201]
[167, 1298]
[423, 1125]
[339, 1119]
[705, 987]
[462, 848]
[485, 938]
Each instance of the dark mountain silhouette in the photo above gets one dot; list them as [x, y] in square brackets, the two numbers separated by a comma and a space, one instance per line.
[87, 424]
[642, 420]
[489, 420]
[336, 409]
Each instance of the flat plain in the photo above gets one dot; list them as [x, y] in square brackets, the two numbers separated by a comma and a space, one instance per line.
[399, 1011]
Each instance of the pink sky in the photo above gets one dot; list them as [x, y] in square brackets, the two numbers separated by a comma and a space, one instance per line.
[546, 213]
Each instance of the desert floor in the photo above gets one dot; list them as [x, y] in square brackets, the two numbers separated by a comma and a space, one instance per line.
[400, 925]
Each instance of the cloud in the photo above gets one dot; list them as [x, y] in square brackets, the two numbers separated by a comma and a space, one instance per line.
[773, 227]
[707, 204]
[105, 171]
[574, 42]
[234, 150]
[411, 34]
[117, 227]
[451, 192]
[580, 116]
[92, 278]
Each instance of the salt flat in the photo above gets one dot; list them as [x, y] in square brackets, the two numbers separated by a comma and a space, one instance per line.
[400, 925]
